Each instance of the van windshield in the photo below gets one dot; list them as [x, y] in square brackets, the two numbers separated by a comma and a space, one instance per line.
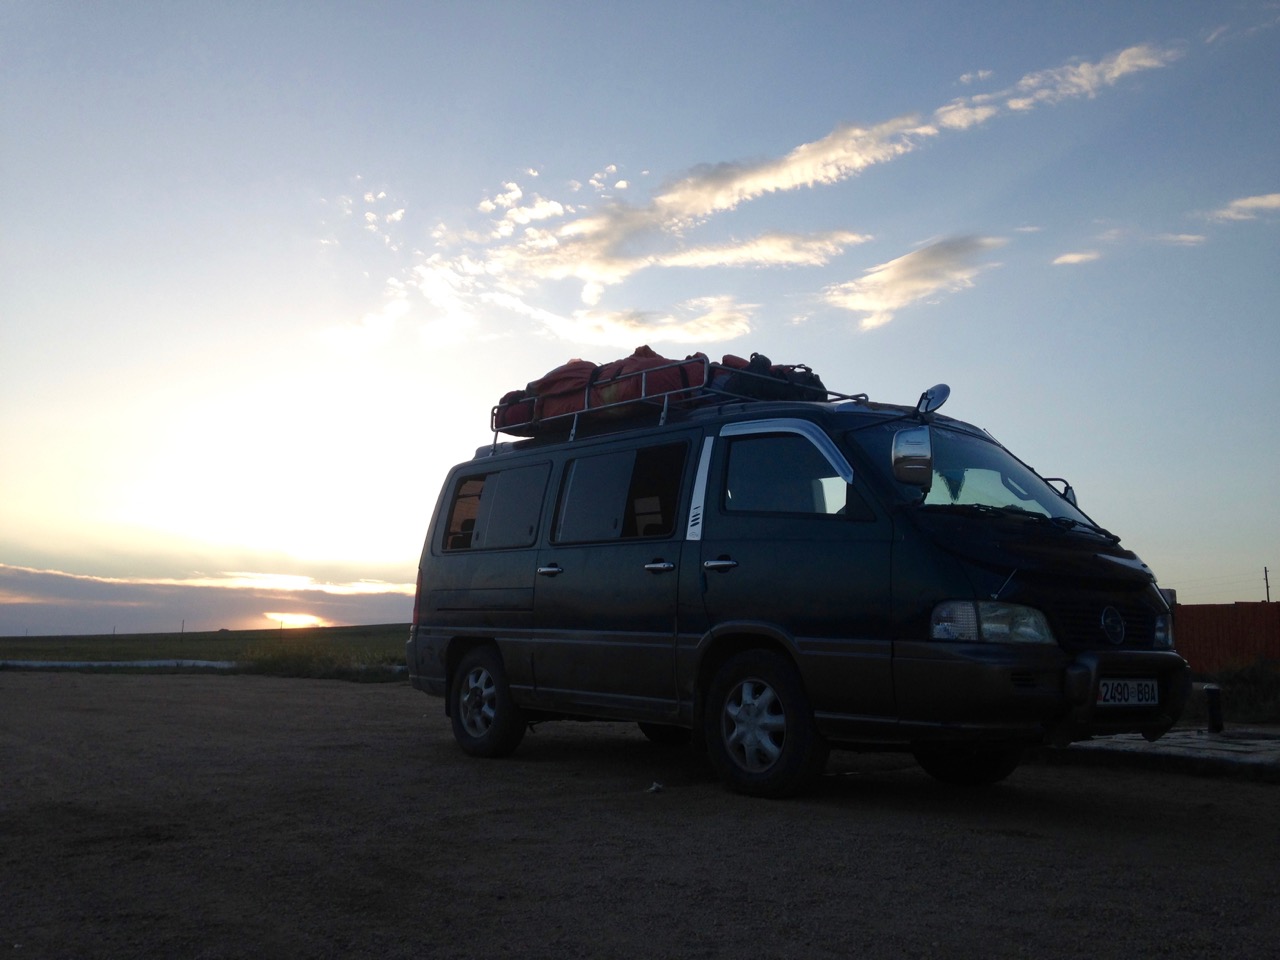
[970, 471]
[976, 475]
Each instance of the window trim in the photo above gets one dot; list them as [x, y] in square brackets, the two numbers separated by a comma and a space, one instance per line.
[806, 428]
[697, 502]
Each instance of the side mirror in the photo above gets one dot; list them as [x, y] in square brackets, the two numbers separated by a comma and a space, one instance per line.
[913, 457]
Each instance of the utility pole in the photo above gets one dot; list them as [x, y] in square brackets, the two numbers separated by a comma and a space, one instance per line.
[1267, 581]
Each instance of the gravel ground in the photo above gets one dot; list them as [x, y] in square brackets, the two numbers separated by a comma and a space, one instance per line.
[235, 816]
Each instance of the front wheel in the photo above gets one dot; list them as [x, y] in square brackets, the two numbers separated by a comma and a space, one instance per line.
[486, 721]
[969, 765]
[759, 728]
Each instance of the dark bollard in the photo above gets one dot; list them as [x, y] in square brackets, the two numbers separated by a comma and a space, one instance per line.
[1213, 698]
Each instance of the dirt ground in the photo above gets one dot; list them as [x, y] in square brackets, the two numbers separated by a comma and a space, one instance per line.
[234, 816]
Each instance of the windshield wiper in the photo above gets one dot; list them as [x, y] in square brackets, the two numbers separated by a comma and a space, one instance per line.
[974, 509]
[1016, 512]
[1068, 523]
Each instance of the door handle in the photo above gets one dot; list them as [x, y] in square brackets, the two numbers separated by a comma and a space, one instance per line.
[659, 566]
[552, 570]
[722, 564]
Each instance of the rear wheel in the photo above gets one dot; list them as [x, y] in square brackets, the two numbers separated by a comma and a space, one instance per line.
[969, 765]
[486, 721]
[759, 728]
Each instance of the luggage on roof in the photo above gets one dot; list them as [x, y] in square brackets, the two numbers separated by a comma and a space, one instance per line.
[646, 381]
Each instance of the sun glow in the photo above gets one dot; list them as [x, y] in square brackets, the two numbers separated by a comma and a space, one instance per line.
[293, 620]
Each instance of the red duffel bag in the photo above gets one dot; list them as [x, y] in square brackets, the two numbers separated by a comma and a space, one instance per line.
[646, 373]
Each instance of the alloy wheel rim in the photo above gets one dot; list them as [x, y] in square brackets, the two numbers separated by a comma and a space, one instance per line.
[477, 702]
[754, 725]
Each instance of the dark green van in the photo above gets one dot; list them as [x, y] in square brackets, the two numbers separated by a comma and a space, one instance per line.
[773, 579]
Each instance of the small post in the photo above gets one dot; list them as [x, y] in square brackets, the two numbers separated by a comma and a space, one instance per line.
[1213, 699]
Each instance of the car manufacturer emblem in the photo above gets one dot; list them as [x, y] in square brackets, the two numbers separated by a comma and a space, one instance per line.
[1113, 625]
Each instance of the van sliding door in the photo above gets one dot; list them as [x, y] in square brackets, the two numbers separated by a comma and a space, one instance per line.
[606, 590]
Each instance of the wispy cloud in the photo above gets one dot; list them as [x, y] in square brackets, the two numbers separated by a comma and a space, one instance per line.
[942, 267]
[1082, 256]
[1248, 208]
[1075, 80]
[531, 242]
[767, 250]
[697, 321]
[1084, 79]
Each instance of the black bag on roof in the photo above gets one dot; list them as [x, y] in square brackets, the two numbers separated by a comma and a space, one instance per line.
[761, 379]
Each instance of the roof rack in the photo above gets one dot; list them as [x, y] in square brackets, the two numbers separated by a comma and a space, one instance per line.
[638, 394]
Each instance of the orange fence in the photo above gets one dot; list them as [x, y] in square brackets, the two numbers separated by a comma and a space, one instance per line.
[1218, 636]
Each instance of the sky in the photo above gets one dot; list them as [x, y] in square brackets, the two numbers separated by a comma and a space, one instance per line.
[265, 267]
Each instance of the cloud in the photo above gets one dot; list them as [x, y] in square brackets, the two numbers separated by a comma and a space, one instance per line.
[1248, 208]
[843, 153]
[1083, 256]
[1087, 79]
[962, 114]
[53, 602]
[696, 321]
[772, 250]
[939, 268]
[1046, 87]
[530, 245]
[606, 246]
[1181, 239]
[510, 196]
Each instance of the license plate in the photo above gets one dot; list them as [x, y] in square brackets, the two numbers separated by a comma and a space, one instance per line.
[1128, 693]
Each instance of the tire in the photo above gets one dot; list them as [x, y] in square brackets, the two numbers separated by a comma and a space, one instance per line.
[486, 721]
[666, 736]
[759, 728]
[969, 765]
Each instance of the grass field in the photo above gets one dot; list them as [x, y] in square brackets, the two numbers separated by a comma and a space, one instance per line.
[356, 653]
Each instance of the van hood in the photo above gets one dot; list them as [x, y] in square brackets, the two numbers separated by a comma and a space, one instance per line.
[1033, 546]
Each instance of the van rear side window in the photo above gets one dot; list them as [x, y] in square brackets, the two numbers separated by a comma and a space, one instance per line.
[496, 510]
[625, 495]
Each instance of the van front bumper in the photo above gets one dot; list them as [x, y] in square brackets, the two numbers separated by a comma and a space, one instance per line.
[1033, 695]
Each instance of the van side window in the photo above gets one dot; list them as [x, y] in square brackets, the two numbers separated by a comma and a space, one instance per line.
[463, 512]
[785, 473]
[497, 510]
[624, 495]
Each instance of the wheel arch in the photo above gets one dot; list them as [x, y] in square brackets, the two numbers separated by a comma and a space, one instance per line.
[727, 639]
[455, 650]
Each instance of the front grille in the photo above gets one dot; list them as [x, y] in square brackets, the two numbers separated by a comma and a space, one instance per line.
[1078, 623]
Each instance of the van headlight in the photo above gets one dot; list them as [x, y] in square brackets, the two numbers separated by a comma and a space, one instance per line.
[989, 622]
[1163, 639]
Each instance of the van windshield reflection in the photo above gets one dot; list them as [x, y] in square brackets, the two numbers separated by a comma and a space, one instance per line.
[973, 473]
